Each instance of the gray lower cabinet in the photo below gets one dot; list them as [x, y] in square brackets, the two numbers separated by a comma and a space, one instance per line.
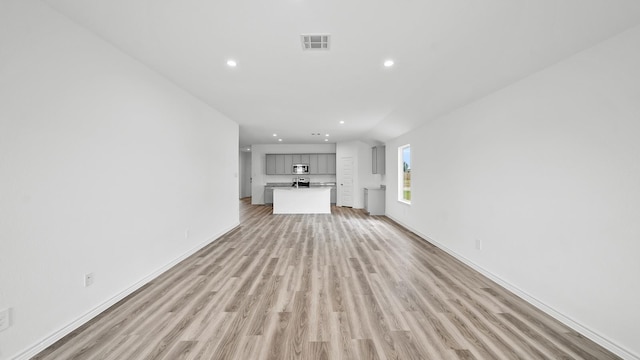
[268, 195]
[374, 201]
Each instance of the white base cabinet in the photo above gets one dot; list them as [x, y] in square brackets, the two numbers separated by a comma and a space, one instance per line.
[302, 201]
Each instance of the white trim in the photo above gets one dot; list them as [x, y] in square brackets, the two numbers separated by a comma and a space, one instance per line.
[59, 334]
[583, 330]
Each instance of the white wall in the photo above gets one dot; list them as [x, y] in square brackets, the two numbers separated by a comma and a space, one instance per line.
[103, 166]
[259, 164]
[362, 176]
[546, 173]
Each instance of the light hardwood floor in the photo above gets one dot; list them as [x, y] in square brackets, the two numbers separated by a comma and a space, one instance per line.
[340, 286]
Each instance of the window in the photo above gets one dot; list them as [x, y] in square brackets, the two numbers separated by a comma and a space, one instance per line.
[404, 174]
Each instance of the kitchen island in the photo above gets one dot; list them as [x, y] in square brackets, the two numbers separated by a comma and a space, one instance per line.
[302, 200]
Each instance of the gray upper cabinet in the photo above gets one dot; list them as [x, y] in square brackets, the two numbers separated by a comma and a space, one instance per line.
[331, 163]
[271, 164]
[326, 164]
[313, 164]
[319, 164]
[288, 164]
[377, 159]
[322, 164]
[280, 164]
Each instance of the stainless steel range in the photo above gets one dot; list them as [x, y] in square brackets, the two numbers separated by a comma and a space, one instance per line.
[301, 182]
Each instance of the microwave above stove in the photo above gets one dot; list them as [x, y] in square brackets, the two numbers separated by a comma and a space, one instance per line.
[299, 169]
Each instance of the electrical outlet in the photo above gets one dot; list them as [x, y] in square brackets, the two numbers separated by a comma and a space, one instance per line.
[478, 244]
[88, 279]
[5, 319]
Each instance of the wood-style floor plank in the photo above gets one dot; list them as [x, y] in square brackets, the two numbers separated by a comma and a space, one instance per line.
[339, 286]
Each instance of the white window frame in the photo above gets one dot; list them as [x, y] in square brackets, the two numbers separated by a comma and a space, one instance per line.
[401, 174]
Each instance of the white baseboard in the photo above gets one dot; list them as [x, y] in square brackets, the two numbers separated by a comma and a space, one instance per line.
[59, 334]
[595, 337]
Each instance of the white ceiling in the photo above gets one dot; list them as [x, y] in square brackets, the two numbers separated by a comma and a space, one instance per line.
[447, 53]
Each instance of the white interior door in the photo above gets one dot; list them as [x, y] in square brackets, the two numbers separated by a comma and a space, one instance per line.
[245, 174]
[346, 181]
[247, 178]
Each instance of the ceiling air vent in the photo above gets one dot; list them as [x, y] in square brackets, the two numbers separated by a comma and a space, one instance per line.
[315, 41]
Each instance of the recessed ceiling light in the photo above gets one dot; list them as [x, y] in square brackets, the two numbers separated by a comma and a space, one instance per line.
[341, 122]
[388, 63]
[327, 135]
[326, 139]
[232, 63]
[279, 139]
[274, 134]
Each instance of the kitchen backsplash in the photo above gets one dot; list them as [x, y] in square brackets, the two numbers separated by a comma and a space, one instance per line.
[289, 178]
